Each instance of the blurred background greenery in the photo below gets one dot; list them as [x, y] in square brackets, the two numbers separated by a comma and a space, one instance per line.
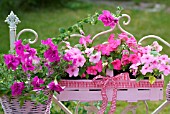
[46, 17]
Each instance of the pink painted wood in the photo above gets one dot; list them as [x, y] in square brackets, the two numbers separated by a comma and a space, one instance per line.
[124, 94]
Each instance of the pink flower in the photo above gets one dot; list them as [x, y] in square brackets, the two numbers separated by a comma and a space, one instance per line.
[134, 68]
[123, 36]
[155, 63]
[164, 59]
[37, 82]
[165, 69]
[91, 70]
[99, 66]
[85, 40]
[27, 65]
[131, 42]
[55, 87]
[89, 51]
[30, 51]
[83, 75]
[117, 64]
[125, 52]
[125, 59]
[107, 19]
[80, 60]
[17, 88]
[47, 42]
[145, 69]
[156, 46]
[19, 47]
[147, 58]
[72, 71]
[134, 58]
[145, 50]
[11, 61]
[95, 58]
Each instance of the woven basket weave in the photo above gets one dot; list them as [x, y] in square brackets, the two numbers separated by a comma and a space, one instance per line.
[29, 107]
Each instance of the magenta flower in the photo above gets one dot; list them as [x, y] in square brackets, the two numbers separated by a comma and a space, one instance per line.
[99, 66]
[17, 88]
[19, 47]
[30, 51]
[27, 65]
[11, 61]
[131, 42]
[37, 82]
[72, 71]
[91, 70]
[85, 40]
[116, 64]
[52, 54]
[95, 58]
[146, 68]
[123, 36]
[134, 58]
[107, 19]
[125, 59]
[55, 87]
[47, 42]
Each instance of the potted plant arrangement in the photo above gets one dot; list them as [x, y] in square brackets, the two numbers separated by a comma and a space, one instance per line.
[28, 78]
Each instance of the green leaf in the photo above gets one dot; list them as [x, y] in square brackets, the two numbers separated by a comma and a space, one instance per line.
[110, 66]
[62, 30]
[152, 79]
[140, 77]
[110, 59]
[103, 58]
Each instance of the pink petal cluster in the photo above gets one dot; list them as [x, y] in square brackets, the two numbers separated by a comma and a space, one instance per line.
[156, 46]
[107, 19]
[36, 82]
[55, 87]
[91, 70]
[85, 40]
[89, 51]
[116, 64]
[72, 71]
[17, 88]
[134, 58]
[123, 37]
[125, 59]
[11, 61]
[146, 68]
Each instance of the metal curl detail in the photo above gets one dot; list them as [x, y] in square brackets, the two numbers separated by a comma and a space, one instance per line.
[28, 30]
[124, 23]
[154, 36]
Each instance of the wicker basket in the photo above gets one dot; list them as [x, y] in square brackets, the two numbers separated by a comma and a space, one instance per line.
[29, 107]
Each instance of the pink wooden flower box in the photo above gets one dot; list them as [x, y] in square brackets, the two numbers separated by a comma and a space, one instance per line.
[130, 91]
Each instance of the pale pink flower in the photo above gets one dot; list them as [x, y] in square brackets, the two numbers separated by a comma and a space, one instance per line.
[99, 66]
[156, 46]
[134, 68]
[147, 58]
[95, 58]
[145, 69]
[116, 64]
[165, 69]
[134, 58]
[125, 52]
[91, 70]
[72, 71]
[155, 63]
[146, 50]
[164, 59]
[80, 60]
[89, 51]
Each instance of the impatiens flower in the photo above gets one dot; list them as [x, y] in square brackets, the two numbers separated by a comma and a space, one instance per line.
[17, 88]
[99, 66]
[80, 60]
[85, 40]
[55, 87]
[125, 59]
[116, 64]
[164, 59]
[72, 71]
[123, 36]
[37, 82]
[134, 68]
[134, 58]
[19, 47]
[165, 69]
[91, 70]
[11, 61]
[145, 69]
[147, 58]
[95, 58]
[89, 51]
[107, 19]
[156, 46]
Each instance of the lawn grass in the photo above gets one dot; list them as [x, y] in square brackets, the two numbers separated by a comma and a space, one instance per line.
[47, 22]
